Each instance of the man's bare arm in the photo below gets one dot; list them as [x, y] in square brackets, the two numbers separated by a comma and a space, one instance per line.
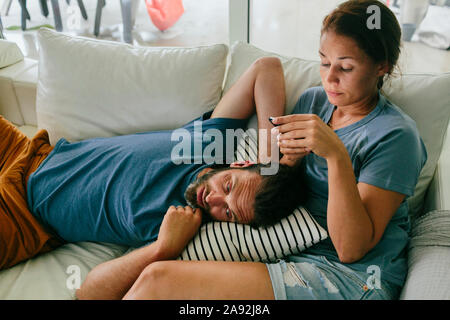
[112, 279]
[260, 89]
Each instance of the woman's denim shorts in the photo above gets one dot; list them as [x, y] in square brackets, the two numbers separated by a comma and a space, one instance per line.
[311, 277]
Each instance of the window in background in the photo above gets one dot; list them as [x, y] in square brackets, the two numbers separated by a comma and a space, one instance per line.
[203, 22]
[289, 27]
[292, 27]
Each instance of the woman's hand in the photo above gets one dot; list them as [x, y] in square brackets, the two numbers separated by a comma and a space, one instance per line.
[180, 224]
[291, 159]
[300, 134]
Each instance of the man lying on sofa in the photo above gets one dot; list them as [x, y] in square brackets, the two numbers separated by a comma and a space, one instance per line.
[118, 189]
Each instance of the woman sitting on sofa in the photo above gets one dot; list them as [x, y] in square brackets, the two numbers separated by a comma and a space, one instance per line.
[361, 158]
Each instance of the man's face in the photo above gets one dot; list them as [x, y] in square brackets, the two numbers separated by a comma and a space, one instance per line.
[226, 195]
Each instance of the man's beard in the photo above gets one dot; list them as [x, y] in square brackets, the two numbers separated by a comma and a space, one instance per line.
[191, 191]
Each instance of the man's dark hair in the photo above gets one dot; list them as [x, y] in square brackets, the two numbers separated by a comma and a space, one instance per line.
[278, 195]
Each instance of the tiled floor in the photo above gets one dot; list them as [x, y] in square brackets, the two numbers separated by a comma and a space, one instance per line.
[289, 27]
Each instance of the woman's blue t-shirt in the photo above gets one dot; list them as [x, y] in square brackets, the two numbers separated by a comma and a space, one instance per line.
[118, 189]
[387, 152]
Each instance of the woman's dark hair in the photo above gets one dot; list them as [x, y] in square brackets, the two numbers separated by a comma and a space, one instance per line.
[381, 44]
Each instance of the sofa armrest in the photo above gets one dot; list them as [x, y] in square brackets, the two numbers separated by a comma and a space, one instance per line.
[428, 258]
[438, 194]
[428, 274]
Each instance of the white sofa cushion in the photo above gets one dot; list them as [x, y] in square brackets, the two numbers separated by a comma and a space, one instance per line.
[424, 97]
[299, 74]
[55, 275]
[18, 92]
[9, 53]
[90, 88]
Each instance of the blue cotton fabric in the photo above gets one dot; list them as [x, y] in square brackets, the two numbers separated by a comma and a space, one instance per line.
[386, 151]
[118, 189]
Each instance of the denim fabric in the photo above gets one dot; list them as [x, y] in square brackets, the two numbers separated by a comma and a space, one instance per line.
[310, 277]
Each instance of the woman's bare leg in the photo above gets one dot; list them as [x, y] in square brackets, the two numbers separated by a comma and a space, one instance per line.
[203, 280]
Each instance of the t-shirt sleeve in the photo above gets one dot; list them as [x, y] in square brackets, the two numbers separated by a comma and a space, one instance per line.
[395, 161]
[217, 123]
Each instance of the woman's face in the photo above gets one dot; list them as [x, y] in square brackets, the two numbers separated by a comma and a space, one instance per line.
[349, 76]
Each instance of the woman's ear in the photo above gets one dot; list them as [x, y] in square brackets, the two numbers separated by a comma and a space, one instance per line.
[383, 68]
[242, 164]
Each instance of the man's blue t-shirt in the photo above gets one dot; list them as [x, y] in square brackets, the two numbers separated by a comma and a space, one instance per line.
[386, 151]
[118, 189]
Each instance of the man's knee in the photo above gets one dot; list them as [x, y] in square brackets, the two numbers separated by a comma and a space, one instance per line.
[267, 63]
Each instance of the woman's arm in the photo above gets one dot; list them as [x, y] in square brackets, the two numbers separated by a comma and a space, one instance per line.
[112, 279]
[357, 214]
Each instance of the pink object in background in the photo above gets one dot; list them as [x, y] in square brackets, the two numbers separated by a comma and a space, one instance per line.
[164, 13]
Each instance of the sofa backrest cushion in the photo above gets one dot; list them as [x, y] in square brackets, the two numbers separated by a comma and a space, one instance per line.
[424, 97]
[9, 53]
[91, 88]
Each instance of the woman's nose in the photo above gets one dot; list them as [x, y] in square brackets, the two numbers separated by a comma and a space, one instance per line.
[331, 75]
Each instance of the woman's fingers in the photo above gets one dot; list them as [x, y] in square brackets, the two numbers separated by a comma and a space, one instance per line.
[294, 151]
[294, 134]
[293, 118]
[294, 122]
[292, 143]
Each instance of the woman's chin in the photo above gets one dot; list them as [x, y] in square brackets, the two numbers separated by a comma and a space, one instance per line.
[336, 100]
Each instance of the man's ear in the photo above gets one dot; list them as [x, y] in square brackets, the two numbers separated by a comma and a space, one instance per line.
[242, 164]
[206, 170]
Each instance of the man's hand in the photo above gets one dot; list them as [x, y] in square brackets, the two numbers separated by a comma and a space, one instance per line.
[112, 279]
[180, 224]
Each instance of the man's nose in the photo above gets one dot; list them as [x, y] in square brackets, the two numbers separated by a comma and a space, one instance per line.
[332, 75]
[214, 199]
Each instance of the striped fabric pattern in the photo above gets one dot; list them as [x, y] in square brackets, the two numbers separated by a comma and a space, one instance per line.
[229, 241]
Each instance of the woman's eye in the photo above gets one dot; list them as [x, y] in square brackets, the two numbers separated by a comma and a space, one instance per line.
[346, 70]
[325, 64]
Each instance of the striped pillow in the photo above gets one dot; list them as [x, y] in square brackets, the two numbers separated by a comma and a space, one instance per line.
[229, 241]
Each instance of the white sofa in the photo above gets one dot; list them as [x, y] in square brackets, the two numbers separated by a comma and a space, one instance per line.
[82, 88]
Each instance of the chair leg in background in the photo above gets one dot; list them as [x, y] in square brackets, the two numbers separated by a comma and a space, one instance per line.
[125, 6]
[1, 28]
[44, 7]
[23, 16]
[6, 7]
[98, 16]
[27, 14]
[82, 9]
[57, 15]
